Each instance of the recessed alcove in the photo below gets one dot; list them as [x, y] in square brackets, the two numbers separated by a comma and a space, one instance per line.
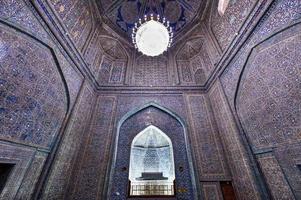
[152, 170]
[299, 166]
[5, 171]
[156, 166]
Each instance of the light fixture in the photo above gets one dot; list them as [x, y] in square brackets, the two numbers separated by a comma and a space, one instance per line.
[152, 35]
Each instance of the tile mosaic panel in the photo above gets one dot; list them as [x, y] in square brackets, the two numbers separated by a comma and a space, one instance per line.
[89, 175]
[106, 59]
[59, 176]
[19, 13]
[279, 15]
[243, 180]
[289, 159]
[111, 72]
[74, 78]
[105, 70]
[194, 63]
[212, 191]
[274, 177]
[117, 72]
[31, 177]
[93, 54]
[77, 17]
[33, 93]
[150, 71]
[206, 141]
[174, 102]
[22, 15]
[268, 99]
[224, 27]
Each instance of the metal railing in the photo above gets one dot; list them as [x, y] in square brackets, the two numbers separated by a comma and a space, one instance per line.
[152, 189]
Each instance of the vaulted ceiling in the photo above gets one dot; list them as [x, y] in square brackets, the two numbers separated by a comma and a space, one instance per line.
[122, 14]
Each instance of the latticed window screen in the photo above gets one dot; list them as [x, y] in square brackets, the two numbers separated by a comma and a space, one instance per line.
[151, 161]
[150, 189]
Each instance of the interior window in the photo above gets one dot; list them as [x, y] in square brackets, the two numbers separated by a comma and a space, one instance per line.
[152, 170]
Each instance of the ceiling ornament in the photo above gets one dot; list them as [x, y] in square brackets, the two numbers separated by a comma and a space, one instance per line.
[152, 36]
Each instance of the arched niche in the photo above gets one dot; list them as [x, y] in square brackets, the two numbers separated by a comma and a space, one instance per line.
[113, 47]
[152, 168]
[129, 126]
[190, 48]
[193, 62]
[113, 61]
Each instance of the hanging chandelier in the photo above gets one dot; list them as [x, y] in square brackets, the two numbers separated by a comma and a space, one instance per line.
[152, 36]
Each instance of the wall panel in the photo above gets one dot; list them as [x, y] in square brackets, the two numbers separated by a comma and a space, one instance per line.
[243, 179]
[275, 178]
[206, 140]
[89, 173]
[65, 161]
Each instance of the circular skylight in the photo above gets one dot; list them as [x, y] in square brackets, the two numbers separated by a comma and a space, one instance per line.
[152, 38]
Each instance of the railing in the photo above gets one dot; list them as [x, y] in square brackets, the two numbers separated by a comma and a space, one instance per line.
[151, 189]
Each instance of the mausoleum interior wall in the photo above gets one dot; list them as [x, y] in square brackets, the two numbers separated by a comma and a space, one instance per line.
[67, 79]
[258, 78]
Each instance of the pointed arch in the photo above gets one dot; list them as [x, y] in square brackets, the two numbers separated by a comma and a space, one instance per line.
[113, 47]
[139, 135]
[151, 163]
[155, 105]
[141, 141]
[115, 148]
[190, 48]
